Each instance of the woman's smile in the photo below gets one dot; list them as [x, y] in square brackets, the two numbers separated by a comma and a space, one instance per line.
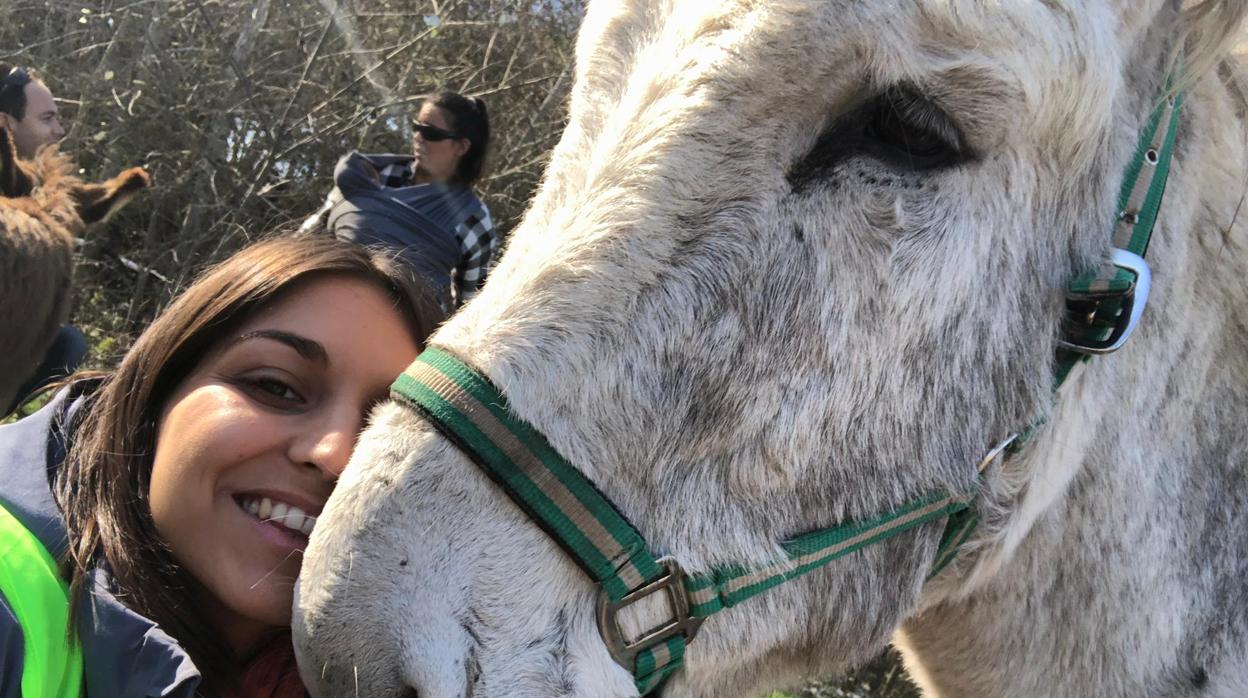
[285, 525]
[279, 513]
[251, 443]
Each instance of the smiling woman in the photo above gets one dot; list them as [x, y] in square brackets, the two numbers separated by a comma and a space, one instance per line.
[195, 472]
[250, 443]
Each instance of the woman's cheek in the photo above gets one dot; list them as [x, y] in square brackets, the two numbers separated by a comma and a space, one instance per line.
[203, 433]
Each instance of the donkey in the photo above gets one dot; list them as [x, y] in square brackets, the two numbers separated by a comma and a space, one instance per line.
[43, 207]
[796, 264]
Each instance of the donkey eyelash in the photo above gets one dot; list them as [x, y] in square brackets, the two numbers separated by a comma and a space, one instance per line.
[905, 127]
[898, 127]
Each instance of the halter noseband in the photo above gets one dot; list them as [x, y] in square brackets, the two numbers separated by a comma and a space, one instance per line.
[475, 416]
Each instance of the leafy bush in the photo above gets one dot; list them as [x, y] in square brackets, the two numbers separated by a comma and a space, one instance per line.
[240, 108]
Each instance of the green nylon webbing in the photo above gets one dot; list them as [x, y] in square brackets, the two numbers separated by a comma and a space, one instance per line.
[39, 599]
[475, 415]
[960, 527]
[1134, 236]
[1139, 199]
[727, 587]
[1139, 202]
[655, 665]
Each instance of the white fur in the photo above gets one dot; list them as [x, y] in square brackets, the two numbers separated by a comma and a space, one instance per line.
[742, 331]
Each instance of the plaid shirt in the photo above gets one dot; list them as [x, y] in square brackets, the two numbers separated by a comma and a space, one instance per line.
[477, 240]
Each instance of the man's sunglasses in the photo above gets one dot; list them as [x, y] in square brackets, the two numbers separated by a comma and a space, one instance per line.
[430, 132]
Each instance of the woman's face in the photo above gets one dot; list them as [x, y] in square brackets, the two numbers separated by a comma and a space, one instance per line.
[250, 444]
[436, 160]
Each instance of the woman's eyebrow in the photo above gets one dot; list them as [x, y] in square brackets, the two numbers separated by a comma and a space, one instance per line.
[307, 348]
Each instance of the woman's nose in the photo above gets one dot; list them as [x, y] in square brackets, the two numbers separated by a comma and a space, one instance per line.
[333, 452]
[327, 443]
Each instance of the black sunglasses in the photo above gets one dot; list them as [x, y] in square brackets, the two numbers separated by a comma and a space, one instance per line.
[432, 133]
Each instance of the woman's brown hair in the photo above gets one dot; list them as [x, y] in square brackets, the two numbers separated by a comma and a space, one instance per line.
[103, 486]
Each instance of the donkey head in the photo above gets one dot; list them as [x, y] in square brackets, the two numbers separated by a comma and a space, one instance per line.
[45, 187]
[794, 263]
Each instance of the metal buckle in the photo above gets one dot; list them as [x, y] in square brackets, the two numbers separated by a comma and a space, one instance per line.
[996, 451]
[1133, 302]
[625, 651]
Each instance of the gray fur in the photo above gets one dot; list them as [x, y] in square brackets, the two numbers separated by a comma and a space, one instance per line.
[741, 330]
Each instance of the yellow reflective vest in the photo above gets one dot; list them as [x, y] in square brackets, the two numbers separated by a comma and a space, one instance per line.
[39, 598]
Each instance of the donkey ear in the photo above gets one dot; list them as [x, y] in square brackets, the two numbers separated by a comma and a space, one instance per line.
[96, 202]
[14, 181]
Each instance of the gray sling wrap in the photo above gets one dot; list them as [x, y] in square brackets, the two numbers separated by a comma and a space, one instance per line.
[417, 221]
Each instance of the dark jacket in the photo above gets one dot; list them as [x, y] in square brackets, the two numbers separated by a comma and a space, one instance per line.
[125, 655]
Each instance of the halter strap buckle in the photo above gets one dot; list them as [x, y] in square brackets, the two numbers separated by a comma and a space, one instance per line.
[1124, 307]
[625, 651]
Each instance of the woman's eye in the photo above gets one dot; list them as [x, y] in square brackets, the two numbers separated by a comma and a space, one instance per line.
[272, 389]
[909, 131]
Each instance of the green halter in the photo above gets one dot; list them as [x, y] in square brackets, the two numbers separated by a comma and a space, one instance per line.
[1105, 304]
[473, 414]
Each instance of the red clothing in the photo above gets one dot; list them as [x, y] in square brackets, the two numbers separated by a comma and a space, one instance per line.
[273, 673]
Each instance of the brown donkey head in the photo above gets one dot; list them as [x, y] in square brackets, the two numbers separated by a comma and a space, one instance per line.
[45, 185]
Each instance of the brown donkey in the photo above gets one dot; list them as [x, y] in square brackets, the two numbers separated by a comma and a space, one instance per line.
[43, 207]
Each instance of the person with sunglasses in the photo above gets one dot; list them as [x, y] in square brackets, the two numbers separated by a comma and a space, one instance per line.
[422, 206]
[28, 110]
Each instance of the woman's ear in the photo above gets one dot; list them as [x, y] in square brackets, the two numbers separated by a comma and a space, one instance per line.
[462, 146]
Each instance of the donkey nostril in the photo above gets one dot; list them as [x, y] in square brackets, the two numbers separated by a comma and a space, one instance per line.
[409, 692]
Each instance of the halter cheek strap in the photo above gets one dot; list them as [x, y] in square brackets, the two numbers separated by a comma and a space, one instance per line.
[1104, 305]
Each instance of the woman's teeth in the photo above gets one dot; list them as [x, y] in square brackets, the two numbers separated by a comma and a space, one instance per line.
[287, 515]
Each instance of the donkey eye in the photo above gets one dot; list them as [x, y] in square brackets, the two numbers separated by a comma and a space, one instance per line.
[898, 127]
[908, 131]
